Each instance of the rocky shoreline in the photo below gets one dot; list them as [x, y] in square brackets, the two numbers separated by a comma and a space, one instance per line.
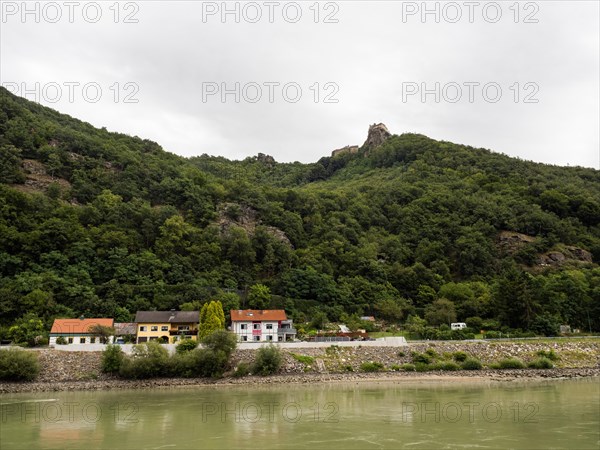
[69, 371]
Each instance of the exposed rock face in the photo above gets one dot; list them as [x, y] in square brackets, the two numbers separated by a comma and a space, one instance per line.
[265, 159]
[570, 253]
[511, 241]
[378, 134]
[247, 218]
[347, 149]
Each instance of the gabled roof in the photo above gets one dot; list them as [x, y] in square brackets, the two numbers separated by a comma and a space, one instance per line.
[245, 315]
[66, 326]
[167, 317]
[124, 328]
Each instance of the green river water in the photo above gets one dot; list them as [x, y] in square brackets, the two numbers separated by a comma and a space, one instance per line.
[524, 415]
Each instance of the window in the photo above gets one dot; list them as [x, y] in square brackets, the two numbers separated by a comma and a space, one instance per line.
[256, 326]
[143, 328]
[256, 338]
[183, 328]
[164, 328]
[154, 328]
[70, 340]
[92, 340]
[269, 337]
[244, 326]
[269, 326]
[244, 338]
[82, 340]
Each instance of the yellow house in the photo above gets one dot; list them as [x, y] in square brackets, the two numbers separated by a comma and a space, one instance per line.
[168, 326]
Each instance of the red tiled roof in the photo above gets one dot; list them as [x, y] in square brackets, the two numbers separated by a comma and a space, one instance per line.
[238, 315]
[64, 326]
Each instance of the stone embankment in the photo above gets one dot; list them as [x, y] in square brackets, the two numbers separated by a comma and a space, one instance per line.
[61, 371]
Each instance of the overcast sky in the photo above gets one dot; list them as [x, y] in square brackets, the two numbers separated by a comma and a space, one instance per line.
[521, 80]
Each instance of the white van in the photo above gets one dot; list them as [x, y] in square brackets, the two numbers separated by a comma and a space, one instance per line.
[458, 325]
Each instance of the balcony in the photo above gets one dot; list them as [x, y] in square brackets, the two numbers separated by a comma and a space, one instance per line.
[282, 331]
[183, 332]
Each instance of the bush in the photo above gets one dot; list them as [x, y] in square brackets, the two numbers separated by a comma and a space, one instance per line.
[549, 354]
[268, 360]
[242, 370]
[511, 363]
[112, 357]
[308, 360]
[471, 364]
[221, 341]
[18, 365]
[422, 367]
[395, 367]
[431, 352]
[371, 367]
[61, 340]
[348, 368]
[459, 356]
[445, 365]
[541, 363]
[401, 354]
[420, 358]
[408, 367]
[148, 360]
[186, 345]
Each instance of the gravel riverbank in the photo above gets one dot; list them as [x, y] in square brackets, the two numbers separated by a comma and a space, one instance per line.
[66, 371]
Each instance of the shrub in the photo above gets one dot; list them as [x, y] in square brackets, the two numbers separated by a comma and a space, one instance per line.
[268, 360]
[371, 367]
[511, 363]
[445, 365]
[148, 360]
[422, 367]
[242, 370]
[304, 359]
[549, 354]
[395, 367]
[420, 358]
[401, 354]
[491, 335]
[541, 363]
[459, 356]
[348, 368]
[112, 357]
[61, 340]
[18, 365]
[186, 345]
[431, 352]
[471, 364]
[408, 367]
[221, 340]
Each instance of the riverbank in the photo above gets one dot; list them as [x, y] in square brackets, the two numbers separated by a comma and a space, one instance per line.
[67, 371]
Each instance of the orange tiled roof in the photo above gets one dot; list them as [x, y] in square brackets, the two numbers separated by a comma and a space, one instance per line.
[64, 326]
[257, 314]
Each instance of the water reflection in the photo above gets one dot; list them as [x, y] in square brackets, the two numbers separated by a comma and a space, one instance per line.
[558, 414]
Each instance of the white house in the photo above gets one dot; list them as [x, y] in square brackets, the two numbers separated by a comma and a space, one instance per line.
[256, 325]
[77, 331]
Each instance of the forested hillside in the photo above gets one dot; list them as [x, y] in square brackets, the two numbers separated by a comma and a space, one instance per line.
[104, 224]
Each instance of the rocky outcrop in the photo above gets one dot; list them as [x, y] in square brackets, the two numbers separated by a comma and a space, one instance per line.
[347, 149]
[566, 254]
[511, 241]
[378, 134]
[234, 214]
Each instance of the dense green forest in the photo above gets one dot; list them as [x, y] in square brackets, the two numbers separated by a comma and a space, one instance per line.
[105, 224]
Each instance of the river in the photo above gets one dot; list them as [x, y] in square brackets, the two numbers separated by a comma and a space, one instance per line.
[406, 414]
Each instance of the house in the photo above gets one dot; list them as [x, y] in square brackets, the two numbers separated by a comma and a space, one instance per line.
[168, 326]
[255, 325]
[77, 331]
[124, 332]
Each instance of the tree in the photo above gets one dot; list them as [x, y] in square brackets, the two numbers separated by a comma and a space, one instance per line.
[212, 318]
[259, 297]
[392, 310]
[442, 311]
[29, 330]
[102, 332]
